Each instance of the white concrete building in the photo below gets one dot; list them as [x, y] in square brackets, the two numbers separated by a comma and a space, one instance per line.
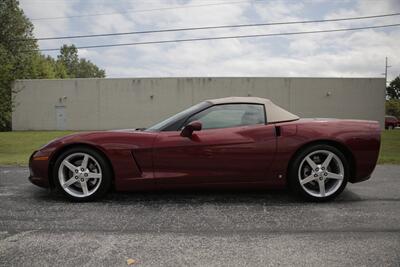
[98, 104]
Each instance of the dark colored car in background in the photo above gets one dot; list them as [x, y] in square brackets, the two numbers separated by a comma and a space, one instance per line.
[234, 142]
[391, 122]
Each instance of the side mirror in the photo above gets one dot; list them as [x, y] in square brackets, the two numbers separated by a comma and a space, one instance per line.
[188, 130]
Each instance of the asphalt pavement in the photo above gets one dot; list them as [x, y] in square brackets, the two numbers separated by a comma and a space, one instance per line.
[203, 228]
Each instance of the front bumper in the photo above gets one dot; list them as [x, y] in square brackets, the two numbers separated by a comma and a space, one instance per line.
[359, 179]
[39, 181]
[38, 169]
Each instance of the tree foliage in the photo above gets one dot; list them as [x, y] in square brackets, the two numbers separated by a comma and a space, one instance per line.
[392, 107]
[16, 38]
[69, 58]
[393, 90]
[20, 59]
[78, 68]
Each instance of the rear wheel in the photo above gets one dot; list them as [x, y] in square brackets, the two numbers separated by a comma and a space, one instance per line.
[319, 173]
[82, 174]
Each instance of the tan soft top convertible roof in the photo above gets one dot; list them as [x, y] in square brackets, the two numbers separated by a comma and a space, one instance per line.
[274, 113]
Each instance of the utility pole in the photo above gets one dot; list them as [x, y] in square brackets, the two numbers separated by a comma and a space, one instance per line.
[386, 70]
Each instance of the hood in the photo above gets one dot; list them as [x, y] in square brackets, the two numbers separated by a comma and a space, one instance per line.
[97, 137]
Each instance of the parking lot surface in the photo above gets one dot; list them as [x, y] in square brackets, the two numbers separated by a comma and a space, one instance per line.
[203, 228]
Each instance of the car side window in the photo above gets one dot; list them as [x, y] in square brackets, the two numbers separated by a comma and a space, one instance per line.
[230, 115]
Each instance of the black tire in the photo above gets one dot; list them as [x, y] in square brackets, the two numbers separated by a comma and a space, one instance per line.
[293, 179]
[106, 174]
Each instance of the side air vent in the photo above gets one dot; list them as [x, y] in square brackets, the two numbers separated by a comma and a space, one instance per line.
[278, 130]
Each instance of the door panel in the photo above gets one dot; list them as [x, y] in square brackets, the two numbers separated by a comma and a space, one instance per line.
[61, 117]
[239, 154]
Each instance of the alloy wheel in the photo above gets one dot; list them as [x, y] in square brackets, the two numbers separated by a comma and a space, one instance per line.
[321, 173]
[80, 175]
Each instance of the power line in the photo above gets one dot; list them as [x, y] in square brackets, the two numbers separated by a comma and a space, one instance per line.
[225, 37]
[214, 27]
[141, 10]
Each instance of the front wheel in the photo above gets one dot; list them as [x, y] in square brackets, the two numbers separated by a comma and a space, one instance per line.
[319, 173]
[82, 174]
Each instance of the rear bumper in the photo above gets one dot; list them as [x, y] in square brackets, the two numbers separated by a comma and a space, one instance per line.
[365, 147]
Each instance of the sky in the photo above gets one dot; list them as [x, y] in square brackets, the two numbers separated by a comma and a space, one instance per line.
[342, 54]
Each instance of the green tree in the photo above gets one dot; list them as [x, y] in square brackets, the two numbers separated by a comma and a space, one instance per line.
[87, 69]
[6, 69]
[41, 68]
[393, 90]
[78, 68]
[59, 69]
[69, 58]
[18, 50]
[392, 107]
[20, 58]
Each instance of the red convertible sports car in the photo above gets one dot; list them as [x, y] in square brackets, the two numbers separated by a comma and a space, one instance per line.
[236, 142]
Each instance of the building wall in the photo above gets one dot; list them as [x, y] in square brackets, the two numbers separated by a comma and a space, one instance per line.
[97, 104]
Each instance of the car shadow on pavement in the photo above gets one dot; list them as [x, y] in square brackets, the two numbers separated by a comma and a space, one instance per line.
[206, 196]
[193, 197]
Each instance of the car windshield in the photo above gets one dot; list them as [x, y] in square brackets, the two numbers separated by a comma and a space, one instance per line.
[159, 126]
